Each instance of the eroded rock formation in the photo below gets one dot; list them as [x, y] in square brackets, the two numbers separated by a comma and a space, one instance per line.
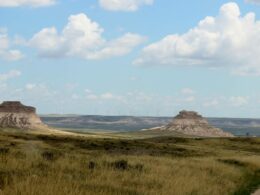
[16, 115]
[191, 123]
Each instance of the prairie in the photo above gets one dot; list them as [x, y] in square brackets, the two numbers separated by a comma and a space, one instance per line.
[65, 164]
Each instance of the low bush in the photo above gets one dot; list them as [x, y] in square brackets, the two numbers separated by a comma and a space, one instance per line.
[92, 165]
[49, 156]
[120, 164]
[4, 151]
[233, 162]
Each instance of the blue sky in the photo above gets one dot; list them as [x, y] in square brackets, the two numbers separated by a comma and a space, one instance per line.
[132, 57]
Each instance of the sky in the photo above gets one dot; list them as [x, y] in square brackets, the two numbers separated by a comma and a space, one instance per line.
[132, 57]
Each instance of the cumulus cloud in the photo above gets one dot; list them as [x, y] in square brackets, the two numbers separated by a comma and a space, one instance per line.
[189, 99]
[228, 39]
[30, 86]
[33, 3]
[211, 103]
[75, 97]
[187, 91]
[4, 77]
[82, 37]
[253, 1]
[6, 52]
[238, 101]
[124, 5]
[9, 75]
[108, 96]
[118, 47]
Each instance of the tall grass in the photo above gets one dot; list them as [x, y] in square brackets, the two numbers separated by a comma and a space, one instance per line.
[33, 166]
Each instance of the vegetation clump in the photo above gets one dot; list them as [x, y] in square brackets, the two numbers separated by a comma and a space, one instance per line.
[233, 162]
[120, 164]
[92, 165]
[50, 155]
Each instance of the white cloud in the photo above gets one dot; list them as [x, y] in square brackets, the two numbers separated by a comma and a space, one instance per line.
[9, 75]
[211, 103]
[110, 96]
[75, 97]
[49, 100]
[5, 52]
[253, 1]
[189, 99]
[33, 94]
[30, 86]
[124, 5]
[92, 97]
[238, 101]
[71, 86]
[88, 91]
[33, 3]
[107, 96]
[82, 37]
[104, 96]
[187, 91]
[118, 47]
[228, 39]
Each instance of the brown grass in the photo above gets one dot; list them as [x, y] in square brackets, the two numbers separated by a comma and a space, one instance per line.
[33, 164]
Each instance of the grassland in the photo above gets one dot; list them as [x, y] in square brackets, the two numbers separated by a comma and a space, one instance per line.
[62, 164]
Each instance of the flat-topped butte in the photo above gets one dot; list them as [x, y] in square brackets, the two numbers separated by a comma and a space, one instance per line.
[16, 106]
[192, 124]
[13, 114]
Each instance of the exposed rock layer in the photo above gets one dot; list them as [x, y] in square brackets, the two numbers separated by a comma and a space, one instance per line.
[17, 115]
[191, 123]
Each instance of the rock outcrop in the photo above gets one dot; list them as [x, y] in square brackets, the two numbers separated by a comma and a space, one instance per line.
[193, 124]
[16, 115]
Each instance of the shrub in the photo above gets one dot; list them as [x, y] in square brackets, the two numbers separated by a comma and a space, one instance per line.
[92, 165]
[4, 151]
[5, 179]
[48, 156]
[12, 144]
[233, 162]
[40, 166]
[3, 154]
[139, 167]
[120, 164]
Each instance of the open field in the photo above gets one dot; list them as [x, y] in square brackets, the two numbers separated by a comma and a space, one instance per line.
[64, 164]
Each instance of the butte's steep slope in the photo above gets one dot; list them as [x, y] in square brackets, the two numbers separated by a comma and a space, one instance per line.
[191, 123]
[16, 115]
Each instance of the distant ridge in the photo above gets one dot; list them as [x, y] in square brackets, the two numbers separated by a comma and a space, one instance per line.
[237, 126]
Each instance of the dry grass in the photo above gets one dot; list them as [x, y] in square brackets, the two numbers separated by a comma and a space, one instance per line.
[32, 164]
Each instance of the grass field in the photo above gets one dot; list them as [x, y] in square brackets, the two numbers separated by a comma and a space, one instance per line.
[58, 164]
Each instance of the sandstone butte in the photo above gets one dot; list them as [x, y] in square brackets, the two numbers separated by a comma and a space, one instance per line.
[13, 114]
[192, 124]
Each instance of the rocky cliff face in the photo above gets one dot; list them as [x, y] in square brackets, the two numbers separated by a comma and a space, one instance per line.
[17, 115]
[191, 123]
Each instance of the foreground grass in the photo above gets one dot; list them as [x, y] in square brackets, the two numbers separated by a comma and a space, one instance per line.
[44, 164]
